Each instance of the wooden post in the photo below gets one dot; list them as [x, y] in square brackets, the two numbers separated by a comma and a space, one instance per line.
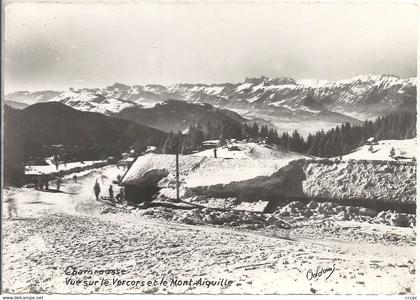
[177, 173]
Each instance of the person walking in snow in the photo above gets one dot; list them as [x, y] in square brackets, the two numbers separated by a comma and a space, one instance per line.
[36, 182]
[97, 190]
[40, 180]
[121, 196]
[46, 182]
[58, 183]
[75, 178]
[111, 194]
[12, 206]
[56, 161]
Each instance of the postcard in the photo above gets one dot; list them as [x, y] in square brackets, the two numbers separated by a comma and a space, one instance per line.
[209, 147]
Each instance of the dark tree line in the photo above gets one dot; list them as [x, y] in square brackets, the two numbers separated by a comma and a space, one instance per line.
[337, 141]
[193, 138]
[345, 138]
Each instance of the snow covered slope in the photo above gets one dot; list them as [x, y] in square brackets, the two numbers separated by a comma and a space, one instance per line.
[286, 103]
[51, 169]
[89, 101]
[360, 97]
[251, 150]
[363, 95]
[406, 148]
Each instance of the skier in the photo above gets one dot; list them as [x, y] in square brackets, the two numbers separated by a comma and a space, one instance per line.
[74, 178]
[97, 190]
[215, 152]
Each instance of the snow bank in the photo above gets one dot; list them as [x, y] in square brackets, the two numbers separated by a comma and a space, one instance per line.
[372, 182]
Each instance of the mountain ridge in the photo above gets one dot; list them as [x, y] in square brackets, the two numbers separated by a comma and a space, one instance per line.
[277, 100]
[53, 123]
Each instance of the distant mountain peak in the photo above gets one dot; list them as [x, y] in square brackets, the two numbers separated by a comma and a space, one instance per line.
[283, 98]
[269, 81]
[118, 85]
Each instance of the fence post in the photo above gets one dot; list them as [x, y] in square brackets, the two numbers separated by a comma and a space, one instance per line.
[177, 173]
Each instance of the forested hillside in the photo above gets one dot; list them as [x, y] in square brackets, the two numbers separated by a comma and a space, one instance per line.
[334, 142]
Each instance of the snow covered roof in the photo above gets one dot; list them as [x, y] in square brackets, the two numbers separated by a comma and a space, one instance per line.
[198, 171]
[166, 162]
[211, 142]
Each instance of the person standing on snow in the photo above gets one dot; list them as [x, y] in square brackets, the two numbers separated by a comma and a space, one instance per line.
[12, 205]
[58, 183]
[111, 194]
[36, 182]
[41, 182]
[46, 179]
[97, 190]
[121, 196]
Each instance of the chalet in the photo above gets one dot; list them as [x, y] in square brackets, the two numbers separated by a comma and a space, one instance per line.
[372, 141]
[154, 174]
[210, 144]
[153, 149]
[140, 182]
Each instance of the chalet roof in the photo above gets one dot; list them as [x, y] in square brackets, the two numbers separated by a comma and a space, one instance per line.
[146, 163]
[197, 170]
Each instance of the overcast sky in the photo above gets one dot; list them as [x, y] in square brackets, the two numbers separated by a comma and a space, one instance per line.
[57, 46]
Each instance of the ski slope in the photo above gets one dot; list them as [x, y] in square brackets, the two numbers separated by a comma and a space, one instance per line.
[251, 150]
[406, 148]
[51, 169]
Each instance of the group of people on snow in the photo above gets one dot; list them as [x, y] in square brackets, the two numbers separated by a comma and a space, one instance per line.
[120, 197]
[41, 182]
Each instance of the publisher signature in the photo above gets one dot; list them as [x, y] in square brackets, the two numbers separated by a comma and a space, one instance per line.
[319, 272]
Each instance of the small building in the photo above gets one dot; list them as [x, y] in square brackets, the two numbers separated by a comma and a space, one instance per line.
[372, 141]
[153, 149]
[210, 144]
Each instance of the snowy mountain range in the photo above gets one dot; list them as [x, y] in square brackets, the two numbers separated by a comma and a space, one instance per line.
[277, 100]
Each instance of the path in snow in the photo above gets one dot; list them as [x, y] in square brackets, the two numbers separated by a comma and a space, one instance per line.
[57, 230]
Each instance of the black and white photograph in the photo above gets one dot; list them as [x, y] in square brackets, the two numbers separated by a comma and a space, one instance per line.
[209, 147]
